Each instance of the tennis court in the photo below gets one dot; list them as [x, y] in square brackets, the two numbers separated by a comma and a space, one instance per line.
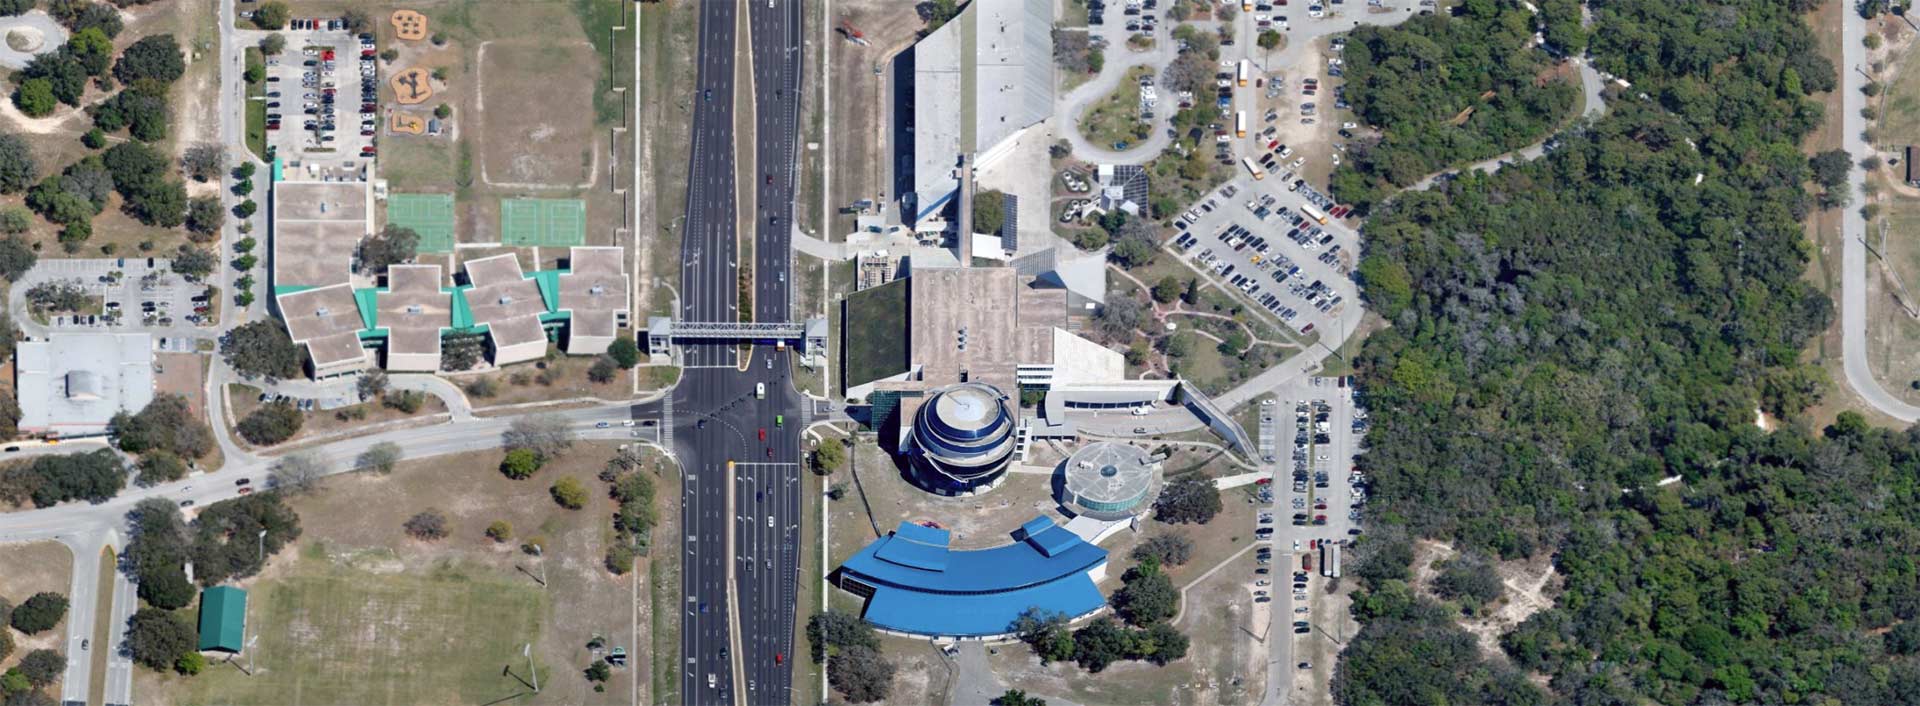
[430, 215]
[543, 222]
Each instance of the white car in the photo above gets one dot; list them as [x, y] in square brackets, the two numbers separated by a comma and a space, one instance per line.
[1349, 126]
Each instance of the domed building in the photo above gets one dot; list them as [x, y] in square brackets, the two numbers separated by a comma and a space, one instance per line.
[1110, 481]
[962, 440]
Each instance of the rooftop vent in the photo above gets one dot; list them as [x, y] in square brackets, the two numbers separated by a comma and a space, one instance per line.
[506, 299]
[416, 309]
[322, 311]
[596, 290]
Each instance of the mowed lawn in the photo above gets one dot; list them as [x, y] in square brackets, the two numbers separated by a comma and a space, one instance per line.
[346, 635]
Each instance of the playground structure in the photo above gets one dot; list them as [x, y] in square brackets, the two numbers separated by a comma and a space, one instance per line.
[412, 86]
[409, 25]
[407, 123]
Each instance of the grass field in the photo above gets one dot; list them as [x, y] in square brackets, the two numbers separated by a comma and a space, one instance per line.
[338, 632]
[1900, 106]
[1116, 118]
[362, 614]
[256, 110]
[29, 568]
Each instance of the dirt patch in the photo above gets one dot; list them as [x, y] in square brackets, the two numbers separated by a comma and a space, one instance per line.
[547, 148]
[861, 101]
[322, 423]
[1528, 588]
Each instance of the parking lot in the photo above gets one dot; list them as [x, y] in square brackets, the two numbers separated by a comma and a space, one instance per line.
[322, 96]
[1266, 246]
[137, 294]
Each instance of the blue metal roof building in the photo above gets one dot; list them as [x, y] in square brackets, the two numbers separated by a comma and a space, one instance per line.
[917, 585]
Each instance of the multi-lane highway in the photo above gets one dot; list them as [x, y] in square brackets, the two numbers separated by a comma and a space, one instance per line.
[735, 415]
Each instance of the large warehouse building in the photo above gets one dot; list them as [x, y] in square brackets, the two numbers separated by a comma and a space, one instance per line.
[976, 83]
[73, 383]
[916, 584]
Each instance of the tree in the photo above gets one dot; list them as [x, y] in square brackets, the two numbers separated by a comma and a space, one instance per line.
[15, 220]
[860, 674]
[380, 457]
[1117, 320]
[17, 166]
[834, 630]
[1167, 289]
[392, 246]
[1046, 632]
[1269, 40]
[272, 14]
[1101, 643]
[34, 97]
[603, 370]
[1188, 499]
[520, 464]
[358, 21]
[261, 349]
[1134, 243]
[1171, 549]
[546, 435]
[500, 531]
[66, 78]
[204, 160]
[1016, 697]
[427, 526]
[94, 139]
[828, 456]
[246, 209]
[160, 466]
[155, 57]
[1147, 595]
[372, 383]
[190, 664]
[81, 15]
[168, 423]
[157, 638]
[1468, 579]
[273, 44]
[624, 352]
[1189, 72]
[43, 666]
[1830, 168]
[598, 671]
[15, 7]
[14, 682]
[40, 613]
[569, 493]
[296, 472]
[443, 111]
[16, 257]
[205, 216]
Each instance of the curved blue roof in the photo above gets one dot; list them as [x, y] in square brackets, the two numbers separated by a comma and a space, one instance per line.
[925, 588]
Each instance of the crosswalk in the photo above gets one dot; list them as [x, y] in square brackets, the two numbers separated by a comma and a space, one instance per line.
[666, 422]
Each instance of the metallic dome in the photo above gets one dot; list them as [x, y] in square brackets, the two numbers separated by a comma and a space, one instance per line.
[965, 432]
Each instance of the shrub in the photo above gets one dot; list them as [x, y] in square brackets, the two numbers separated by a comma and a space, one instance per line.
[427, 526]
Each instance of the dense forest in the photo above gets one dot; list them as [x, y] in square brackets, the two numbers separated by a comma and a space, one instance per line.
[1567, 333]
[1445, 90]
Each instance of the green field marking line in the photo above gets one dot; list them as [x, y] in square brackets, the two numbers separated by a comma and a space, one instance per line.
[430, 215]
[543, 222]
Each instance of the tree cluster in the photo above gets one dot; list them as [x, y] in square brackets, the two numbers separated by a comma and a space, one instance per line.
[1567, 333]
[261, 349]
[1446, 90]
[166, 424]
[850, 648]
[95, 477]
[271, 423]
[393, 245]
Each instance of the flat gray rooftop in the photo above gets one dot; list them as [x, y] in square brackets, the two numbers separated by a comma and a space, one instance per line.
[73, 383]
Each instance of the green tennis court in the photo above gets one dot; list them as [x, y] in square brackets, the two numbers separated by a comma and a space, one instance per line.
[543, 222]
[430, 215]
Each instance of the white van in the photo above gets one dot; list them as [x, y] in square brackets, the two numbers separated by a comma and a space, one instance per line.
[760, 390]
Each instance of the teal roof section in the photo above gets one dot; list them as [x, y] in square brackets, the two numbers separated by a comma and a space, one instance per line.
[279, 170]
[369, 310]
[280, 289]
[223, 619]
[549, 281]
[462, 311]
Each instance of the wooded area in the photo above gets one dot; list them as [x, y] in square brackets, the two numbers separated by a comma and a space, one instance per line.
[1570, 332]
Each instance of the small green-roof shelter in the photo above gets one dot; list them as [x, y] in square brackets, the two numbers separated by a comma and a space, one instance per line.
[223, 619]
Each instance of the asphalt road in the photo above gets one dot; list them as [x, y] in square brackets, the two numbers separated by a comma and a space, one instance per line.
[1853, 227]
[735, 409]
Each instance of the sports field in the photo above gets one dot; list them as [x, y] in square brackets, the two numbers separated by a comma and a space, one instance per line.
[350, 633]
[543, 222]
[430, 215]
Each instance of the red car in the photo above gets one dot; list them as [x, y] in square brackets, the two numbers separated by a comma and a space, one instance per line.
[1263, 481]
[779, 658]
[769, 452]
[763, 433]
